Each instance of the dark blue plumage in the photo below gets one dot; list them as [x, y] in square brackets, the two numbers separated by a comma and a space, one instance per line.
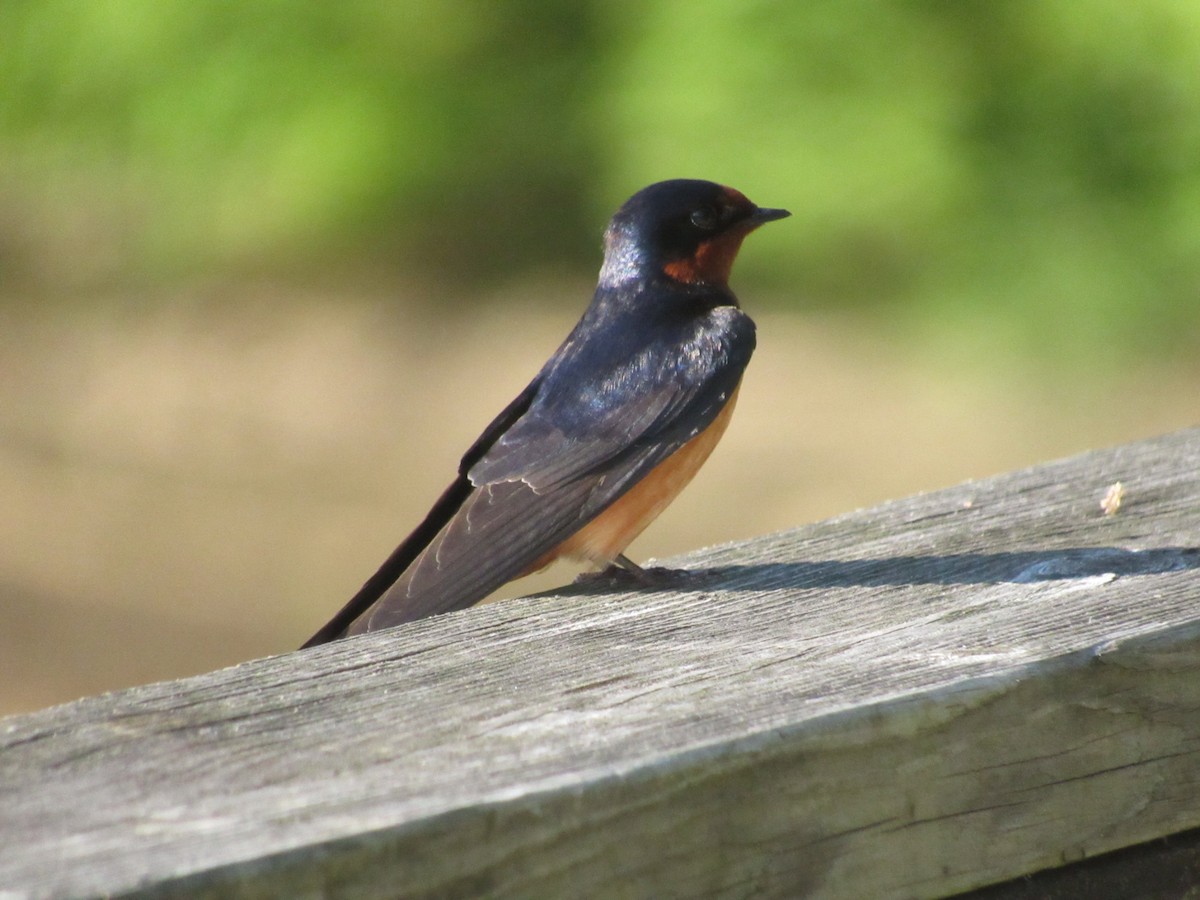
[651, 365]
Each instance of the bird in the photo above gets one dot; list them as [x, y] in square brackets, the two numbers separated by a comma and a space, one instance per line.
[612, 428]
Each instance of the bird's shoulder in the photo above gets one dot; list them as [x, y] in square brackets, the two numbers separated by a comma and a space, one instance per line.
[643, 339]
[622, 379]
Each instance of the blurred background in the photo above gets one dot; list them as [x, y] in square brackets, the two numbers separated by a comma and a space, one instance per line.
[267, 268]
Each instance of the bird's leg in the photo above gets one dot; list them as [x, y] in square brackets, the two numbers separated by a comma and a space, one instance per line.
[624, 562]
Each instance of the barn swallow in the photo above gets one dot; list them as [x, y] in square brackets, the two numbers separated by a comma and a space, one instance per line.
[613, 427]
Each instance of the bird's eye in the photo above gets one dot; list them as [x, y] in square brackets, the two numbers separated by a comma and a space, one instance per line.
[706, 218]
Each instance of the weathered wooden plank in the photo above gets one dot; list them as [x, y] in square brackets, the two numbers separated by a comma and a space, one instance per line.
[912, 700]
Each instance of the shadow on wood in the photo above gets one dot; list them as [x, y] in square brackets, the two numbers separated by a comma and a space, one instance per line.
[953, 568]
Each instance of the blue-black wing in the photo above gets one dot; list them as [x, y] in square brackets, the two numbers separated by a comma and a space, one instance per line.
[597, 419]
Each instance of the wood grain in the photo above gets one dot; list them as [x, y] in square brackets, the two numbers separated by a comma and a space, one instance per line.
[914, 700]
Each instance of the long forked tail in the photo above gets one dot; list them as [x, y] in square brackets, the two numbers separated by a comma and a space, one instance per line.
[393, 567]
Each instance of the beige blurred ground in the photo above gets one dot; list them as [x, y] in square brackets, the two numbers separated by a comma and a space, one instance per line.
[200, 484]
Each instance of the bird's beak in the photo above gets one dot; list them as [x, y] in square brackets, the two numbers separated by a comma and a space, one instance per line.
[762, 215]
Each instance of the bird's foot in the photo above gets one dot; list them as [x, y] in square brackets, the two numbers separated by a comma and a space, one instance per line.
[625, 570]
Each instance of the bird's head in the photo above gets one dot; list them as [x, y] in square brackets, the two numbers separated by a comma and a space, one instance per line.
[685, 229]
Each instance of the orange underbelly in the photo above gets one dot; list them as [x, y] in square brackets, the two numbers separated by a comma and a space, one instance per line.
[606, 536]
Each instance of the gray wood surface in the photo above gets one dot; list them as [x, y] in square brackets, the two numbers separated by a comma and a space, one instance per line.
[913, 700]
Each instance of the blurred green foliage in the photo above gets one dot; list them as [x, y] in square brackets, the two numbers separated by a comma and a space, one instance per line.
[1029, 168]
